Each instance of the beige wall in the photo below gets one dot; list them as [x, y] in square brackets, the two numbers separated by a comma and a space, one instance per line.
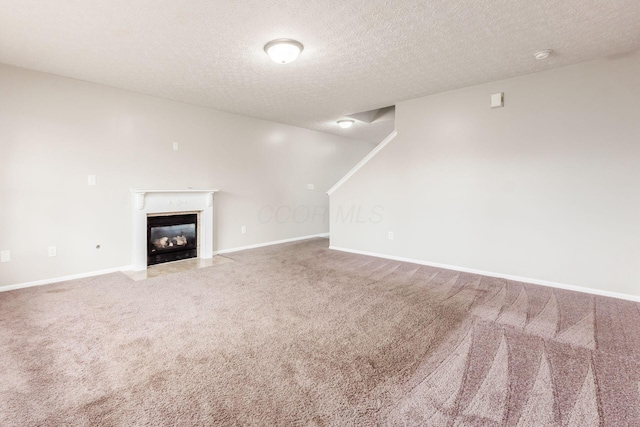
[55, 131]
[546, 188]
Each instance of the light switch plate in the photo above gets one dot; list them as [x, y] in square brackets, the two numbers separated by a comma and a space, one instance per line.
[5, 256]
[176, 146]
[91, 180]
[310, 186]
[497, 100]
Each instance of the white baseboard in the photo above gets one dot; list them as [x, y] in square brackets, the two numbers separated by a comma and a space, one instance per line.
[492, 274]
[64, 278]
[130, 267]
[276, 242]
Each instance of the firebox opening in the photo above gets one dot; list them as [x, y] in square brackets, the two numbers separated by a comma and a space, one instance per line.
[171, 238]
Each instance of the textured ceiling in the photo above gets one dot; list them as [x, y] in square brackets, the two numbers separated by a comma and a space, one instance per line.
[358, 56]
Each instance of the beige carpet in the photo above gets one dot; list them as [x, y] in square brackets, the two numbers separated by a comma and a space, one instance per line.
[297, 334]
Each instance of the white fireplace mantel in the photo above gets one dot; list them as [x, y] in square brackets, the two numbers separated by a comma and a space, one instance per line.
[167, 201]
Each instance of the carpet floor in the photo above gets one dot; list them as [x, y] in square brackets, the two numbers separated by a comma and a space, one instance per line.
[297, 334]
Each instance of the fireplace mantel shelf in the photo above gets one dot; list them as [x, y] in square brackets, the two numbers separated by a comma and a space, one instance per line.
[188, 190]
[140, 194]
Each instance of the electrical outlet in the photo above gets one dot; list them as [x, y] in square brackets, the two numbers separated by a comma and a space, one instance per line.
[310, 186]
[91, 180]
[390, 235]
[5, 256]
[52, 251]
[243, 229]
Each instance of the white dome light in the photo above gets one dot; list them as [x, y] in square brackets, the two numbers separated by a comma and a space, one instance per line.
[283, 51]
[543, 54]
[345, 124]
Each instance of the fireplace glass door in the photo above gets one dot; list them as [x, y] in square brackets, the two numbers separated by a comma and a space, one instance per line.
[171, 238]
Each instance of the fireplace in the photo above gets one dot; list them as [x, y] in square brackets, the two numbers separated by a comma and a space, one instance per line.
[171, 238]
[162, 203]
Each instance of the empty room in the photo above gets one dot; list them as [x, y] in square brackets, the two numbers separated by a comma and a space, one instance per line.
[336, 213]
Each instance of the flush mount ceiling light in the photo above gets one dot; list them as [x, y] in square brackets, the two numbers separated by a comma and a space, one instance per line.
[283, 51]
[345, 124]
[543, 54]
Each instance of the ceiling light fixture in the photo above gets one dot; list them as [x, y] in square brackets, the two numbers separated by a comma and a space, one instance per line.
[345, 124]
[543, 54]
[283, 51]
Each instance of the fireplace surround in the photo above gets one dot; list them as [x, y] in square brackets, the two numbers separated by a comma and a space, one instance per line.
[170, 203]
